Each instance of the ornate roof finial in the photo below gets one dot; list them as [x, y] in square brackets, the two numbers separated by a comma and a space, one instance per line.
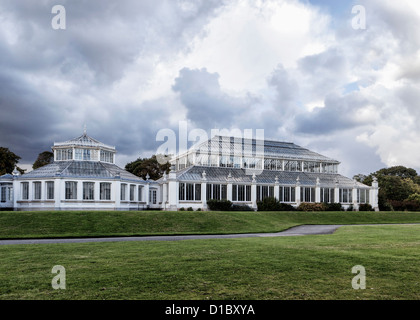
[16, 172]
[229, 177]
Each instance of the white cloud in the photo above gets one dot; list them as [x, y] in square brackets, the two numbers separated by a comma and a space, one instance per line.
[248, 39]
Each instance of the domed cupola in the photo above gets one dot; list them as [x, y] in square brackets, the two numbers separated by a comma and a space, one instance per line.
[84, 148]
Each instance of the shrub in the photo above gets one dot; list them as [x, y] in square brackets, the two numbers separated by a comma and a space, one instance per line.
[333, 207]
[350, 208]
[219, 205]
[385, 206]
[396, 205]
[412, 205]
[272, 204]
[406, 205]
[305, 206]
[190, 209]
[181, 209]
[199, 209]
[365, 207]
[268, 204]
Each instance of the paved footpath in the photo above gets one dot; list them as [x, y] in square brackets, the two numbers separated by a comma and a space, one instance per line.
[295, 231]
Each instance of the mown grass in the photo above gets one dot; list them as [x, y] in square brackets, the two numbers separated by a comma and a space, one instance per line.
[310, 267]
[51, 224]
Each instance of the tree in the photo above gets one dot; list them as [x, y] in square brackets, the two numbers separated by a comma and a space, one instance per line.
[396, 188]
[43, 159]
[416, 180]
[398, 171]
[148, 166]
[396, 184]
[8, 161]
[414, 197]
[359, 177]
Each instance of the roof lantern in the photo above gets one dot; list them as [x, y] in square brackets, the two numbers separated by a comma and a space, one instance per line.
[84, 148]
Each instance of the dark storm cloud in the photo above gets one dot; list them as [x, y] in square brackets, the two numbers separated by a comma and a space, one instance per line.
[355, 157]
[135, 128]
[339, 113]
[287, 90]
[323, 73]
[104, 38]
[25, 114]
[52, 81]
[208, 106]
[330, 61]
[409, 96]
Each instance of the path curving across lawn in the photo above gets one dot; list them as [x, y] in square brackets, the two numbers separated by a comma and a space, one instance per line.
[302, 230]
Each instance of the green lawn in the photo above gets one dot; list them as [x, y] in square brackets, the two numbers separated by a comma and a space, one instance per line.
[310, 267]
[52, 224]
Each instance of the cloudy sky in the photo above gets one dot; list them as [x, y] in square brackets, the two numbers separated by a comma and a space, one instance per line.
[299, 69]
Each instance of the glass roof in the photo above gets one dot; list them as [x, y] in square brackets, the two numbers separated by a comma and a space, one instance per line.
[6, 176]
[220, 175]
[83, 141]
[81, 169]
[220, 145]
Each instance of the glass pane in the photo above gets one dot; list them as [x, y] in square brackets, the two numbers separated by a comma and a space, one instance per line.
[88, 190]
[105, 191]
[71, 190]
[198, 192]
[234, 192]
[182, 191]
[50, 190]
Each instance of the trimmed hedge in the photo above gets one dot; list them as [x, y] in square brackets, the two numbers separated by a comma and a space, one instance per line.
[310, 207]
[226, 205]
[272, 204]
[219, 205]
[320, 206]
[268, 204]
[333, 207]
[406, 205]
[365, 207]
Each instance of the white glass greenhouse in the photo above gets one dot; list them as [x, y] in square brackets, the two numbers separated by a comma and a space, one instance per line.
[84, 176]
[246, 171]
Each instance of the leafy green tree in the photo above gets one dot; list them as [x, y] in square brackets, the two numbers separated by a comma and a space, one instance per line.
[395, 188]
[414, 197]
[43, 159]
[416, 180]
[360, 177]
[8, 161]
[148, 166]
[396, 184]
[398, 171]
